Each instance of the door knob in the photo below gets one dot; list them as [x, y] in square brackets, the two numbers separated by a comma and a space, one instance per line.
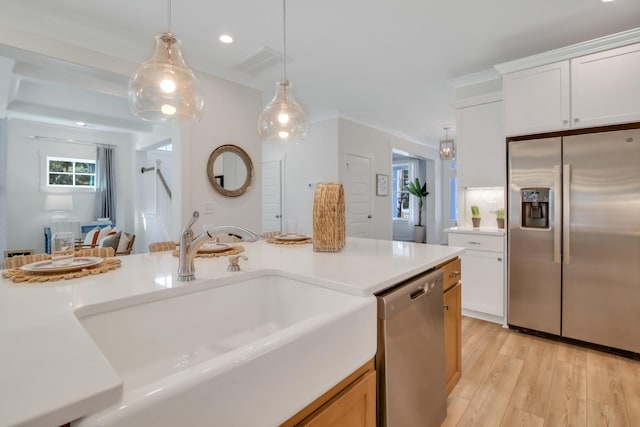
[369, 216]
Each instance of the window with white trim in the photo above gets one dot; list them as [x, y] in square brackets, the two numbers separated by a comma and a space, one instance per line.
[400, 193]
[71, 173]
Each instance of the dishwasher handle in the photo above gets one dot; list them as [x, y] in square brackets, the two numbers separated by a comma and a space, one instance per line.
[410, 292]
[417, 294]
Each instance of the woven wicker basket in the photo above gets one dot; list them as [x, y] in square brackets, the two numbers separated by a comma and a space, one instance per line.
[328, 218]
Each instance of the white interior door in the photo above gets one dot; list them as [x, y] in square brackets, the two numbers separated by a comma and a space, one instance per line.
[272, 196]
[358, 196]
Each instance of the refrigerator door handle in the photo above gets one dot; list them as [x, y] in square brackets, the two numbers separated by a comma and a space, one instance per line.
[566, 214]
[557, 213]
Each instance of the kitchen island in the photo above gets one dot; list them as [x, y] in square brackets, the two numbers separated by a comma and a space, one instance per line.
[51, 371]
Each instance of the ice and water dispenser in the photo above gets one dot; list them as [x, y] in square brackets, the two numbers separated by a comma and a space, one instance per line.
[535, 207]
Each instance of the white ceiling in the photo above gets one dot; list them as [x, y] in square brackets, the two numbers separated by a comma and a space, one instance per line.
[384, 63]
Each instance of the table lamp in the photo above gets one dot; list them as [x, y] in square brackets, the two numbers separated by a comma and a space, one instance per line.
[59, 203]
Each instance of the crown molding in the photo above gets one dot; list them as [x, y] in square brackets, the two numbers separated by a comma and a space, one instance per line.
[573, 51]
[478, 100]
[389, 131]
[475, 78]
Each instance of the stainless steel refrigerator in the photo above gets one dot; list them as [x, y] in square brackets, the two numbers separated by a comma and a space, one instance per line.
[574, 237]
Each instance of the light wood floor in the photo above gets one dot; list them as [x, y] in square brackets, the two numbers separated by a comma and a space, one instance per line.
[512, 379]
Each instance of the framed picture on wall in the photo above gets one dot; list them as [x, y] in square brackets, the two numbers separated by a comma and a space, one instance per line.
[382, 185]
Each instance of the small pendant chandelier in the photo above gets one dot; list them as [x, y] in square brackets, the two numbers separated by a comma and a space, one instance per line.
[164, 89]
[283, 119]
[447, 149]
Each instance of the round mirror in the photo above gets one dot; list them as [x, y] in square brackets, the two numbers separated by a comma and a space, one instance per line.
[230, 170]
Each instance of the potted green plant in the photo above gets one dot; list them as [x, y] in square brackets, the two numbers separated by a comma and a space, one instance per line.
[500, 218]
[475, 216]
[420, 191]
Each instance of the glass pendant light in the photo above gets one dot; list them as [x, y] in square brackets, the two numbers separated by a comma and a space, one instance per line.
[283, 119]
[164, 89]
[447, 149]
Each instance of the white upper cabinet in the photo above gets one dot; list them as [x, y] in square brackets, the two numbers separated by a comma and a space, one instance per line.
[537, 100]
[591, 90]
[605, 87]
[481, 145]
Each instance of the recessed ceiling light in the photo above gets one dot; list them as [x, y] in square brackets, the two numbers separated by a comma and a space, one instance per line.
[225, 38]
[83, 124]
[606, 1]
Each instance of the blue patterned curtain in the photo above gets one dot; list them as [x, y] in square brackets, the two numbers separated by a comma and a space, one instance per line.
[105, 184]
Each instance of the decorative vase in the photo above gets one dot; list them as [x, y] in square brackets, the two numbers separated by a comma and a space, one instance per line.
[420, 232]
[329, 229]
[476, 222]
[500, 222]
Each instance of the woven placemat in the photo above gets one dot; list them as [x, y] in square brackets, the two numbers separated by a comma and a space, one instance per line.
[19, 275]
[289, 242]
[233, 250]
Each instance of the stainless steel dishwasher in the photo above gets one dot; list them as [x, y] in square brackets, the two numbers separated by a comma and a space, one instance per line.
[410, 360]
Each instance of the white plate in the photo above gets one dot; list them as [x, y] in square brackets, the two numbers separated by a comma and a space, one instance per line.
[213, 247]
[48, 267]
[292, 237]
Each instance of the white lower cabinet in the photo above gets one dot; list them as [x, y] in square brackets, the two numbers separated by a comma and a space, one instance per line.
[483, 270]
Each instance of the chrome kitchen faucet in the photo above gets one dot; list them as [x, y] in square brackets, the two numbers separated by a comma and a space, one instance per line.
[189, 244]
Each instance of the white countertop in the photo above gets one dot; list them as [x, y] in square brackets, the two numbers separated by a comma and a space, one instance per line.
[51, 372]
[487, 231]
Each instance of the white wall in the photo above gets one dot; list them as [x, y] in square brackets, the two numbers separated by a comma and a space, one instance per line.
[230, 116]
[321, 159]
[362, 140]
[25, 196]
[3, 185]
[305, 164]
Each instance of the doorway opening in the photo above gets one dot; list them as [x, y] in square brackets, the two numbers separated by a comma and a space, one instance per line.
[404, 206]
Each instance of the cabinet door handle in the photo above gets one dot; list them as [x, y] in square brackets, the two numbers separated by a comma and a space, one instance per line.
[576, 120]
[473, 243]
[454, 274]
[564, 122]
[446, 306]
[499, 259]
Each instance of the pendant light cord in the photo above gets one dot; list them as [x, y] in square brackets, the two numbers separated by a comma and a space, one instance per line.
[284, 37]
[169, 16]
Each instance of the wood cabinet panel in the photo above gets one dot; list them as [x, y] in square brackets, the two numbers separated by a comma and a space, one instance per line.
[453, 335]
[353, 407]
[352, 402]
[452, 273]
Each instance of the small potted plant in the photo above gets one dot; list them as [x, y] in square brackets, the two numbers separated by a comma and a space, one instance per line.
[500, 218]
[420, 191]
[475, 216]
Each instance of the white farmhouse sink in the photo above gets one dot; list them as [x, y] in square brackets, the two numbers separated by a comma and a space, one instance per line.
[252, 351]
